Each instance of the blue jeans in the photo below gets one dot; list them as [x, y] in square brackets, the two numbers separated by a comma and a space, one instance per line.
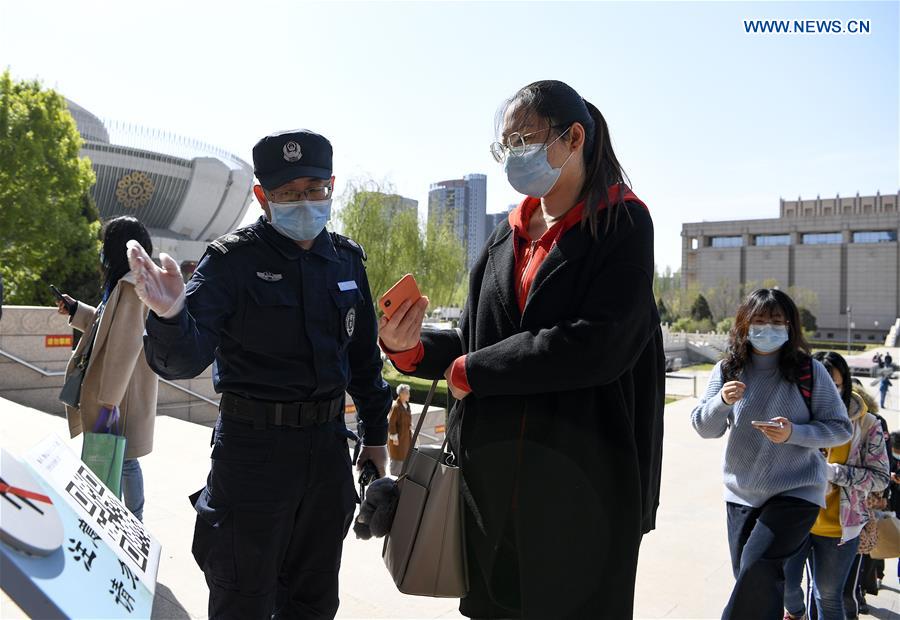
[133, 487]
[829, 565]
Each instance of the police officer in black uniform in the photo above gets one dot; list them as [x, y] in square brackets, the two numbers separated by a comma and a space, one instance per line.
[283, 309]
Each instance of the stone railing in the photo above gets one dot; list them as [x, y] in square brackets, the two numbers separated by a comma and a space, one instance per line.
[35, 346]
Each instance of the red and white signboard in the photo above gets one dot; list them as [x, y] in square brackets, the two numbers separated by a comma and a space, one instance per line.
[58, 340]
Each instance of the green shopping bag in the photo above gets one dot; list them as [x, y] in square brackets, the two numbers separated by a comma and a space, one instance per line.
[103, 450]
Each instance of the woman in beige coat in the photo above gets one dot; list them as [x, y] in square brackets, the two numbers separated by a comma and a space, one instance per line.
[117, 375]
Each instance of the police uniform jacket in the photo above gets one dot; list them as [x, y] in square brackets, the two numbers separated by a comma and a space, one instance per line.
[282, 324]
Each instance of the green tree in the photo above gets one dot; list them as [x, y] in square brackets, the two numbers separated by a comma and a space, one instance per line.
[689, 325]
[724, 299]
[804, 298]
[808, 320]
[668, 288]
[700, 309]
[662, 311]
[396, 245]
[443, 265]
[49, 228]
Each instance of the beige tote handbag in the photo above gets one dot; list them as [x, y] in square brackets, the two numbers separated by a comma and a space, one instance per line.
[424, 551]
[888, 545]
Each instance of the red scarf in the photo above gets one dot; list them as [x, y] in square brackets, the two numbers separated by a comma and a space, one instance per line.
[530, 253]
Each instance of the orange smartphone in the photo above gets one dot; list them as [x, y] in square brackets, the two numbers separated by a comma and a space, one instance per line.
[405, 289]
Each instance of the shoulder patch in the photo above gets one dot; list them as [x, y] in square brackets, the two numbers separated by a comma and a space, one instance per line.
[350, 244]
[237, 238]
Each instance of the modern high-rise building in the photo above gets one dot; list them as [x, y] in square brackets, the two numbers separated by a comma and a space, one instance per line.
[463, 202]
[845, 250]
[492, 219]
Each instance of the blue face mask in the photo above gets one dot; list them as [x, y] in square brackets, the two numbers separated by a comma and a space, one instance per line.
[531, 173]
[301, 220]
[768, 338]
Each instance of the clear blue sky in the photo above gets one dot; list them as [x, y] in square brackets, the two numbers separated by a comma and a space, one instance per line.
[709, 122]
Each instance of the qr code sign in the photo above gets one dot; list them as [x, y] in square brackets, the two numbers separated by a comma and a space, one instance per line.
[110, 515]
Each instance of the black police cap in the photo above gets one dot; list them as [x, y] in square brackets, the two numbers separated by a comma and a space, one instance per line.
[288, 155]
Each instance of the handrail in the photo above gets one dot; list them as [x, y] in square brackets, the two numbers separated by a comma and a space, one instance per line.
[60, 373]
[45, 373]
[190, 392]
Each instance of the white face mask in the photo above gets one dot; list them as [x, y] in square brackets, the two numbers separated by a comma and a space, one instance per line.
[531, 173]
[768, 338]
[301, 220]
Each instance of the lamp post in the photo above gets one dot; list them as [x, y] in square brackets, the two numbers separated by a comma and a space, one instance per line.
[849, 327]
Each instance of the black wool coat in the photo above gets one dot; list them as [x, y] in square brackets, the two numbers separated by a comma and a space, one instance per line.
[561, 437]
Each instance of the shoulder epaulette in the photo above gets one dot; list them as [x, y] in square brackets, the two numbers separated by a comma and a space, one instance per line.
[347, 242]
[237, 238]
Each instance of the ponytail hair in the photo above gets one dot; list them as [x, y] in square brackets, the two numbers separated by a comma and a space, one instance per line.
[602, 170]
[560, 106]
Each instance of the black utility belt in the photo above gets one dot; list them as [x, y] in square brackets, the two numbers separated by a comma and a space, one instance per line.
[262, 413]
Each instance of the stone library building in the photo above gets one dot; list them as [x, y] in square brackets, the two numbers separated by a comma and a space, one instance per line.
[844, 250]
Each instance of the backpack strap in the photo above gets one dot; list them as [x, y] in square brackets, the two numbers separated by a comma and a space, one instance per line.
[805, 383]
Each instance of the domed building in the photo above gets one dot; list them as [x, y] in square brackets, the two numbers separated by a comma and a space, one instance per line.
[185, 191]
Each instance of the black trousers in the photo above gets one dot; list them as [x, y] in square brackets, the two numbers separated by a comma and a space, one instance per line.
[272, 519]
[870, 572]
[761, 539]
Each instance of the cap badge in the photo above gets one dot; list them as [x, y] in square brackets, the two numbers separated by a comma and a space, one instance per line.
[268, 276]
[292, 151]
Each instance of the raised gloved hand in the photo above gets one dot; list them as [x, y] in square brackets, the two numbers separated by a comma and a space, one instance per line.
[161, 289]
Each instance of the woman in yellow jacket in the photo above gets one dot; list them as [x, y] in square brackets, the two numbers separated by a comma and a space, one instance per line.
[855, 469]
[117, 375]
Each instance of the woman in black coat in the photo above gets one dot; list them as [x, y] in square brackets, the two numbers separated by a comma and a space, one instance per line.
[562, 386]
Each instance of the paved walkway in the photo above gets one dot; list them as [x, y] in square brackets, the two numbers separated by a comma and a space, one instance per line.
[684, 569]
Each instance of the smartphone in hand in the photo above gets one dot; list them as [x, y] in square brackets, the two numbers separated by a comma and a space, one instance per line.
[60, 297]
[405, 289]
[766, 424]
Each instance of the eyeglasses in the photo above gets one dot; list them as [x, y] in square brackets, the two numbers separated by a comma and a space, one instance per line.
[516, 144]
[764, 322]
[292, 195]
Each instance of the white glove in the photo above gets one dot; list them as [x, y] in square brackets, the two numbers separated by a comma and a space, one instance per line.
[395, 439]
[161, 289]
[376, 454]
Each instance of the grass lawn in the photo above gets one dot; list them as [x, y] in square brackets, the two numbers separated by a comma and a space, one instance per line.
[699, 367]
[392, 376]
